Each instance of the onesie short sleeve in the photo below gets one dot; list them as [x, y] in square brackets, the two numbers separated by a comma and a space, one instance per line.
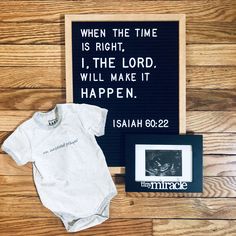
[92, 117]
[17, 145]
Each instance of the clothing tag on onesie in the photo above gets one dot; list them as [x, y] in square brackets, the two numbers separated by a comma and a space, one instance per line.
[69, 167]
[52, 121]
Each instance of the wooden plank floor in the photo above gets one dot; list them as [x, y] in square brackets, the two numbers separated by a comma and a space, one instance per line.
[32, 77]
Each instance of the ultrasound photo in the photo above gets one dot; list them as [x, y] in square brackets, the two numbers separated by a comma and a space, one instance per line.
[163, 162]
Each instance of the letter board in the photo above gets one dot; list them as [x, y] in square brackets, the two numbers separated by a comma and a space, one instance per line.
[132, 65]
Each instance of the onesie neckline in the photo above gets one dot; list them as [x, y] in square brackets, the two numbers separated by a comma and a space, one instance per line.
[58, 113]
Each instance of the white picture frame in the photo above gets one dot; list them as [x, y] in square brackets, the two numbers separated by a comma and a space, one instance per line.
[141, 160]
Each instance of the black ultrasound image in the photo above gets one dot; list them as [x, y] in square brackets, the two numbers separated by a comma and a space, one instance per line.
[163, 162]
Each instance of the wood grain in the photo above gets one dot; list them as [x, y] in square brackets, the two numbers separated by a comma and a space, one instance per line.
[31, 55]
[214, 143]
[9, 120]
[213, 32]
[9, 167]
[32, 77]
[53, 33]
[214, 187]
[31, 33]
[27, 99]
[215, 54]
[211, 100]
[35, 99]
[53, 55]
[53, 226]
[194, 227]
[53, 11]
[197, 121]
[198, 77]
[214, 165]
[210, 121]
[194, 208]
[3, 136]
[126, 207]
[219, 143]
[219, 165]
[211, 77]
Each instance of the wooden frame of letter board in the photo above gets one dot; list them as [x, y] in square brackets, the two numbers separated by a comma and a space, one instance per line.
[130, 17]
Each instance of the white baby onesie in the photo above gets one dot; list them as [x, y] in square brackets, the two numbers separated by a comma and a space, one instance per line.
[69, 167]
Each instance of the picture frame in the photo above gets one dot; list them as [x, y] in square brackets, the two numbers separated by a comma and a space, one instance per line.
[162, 163]
[123, 112]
